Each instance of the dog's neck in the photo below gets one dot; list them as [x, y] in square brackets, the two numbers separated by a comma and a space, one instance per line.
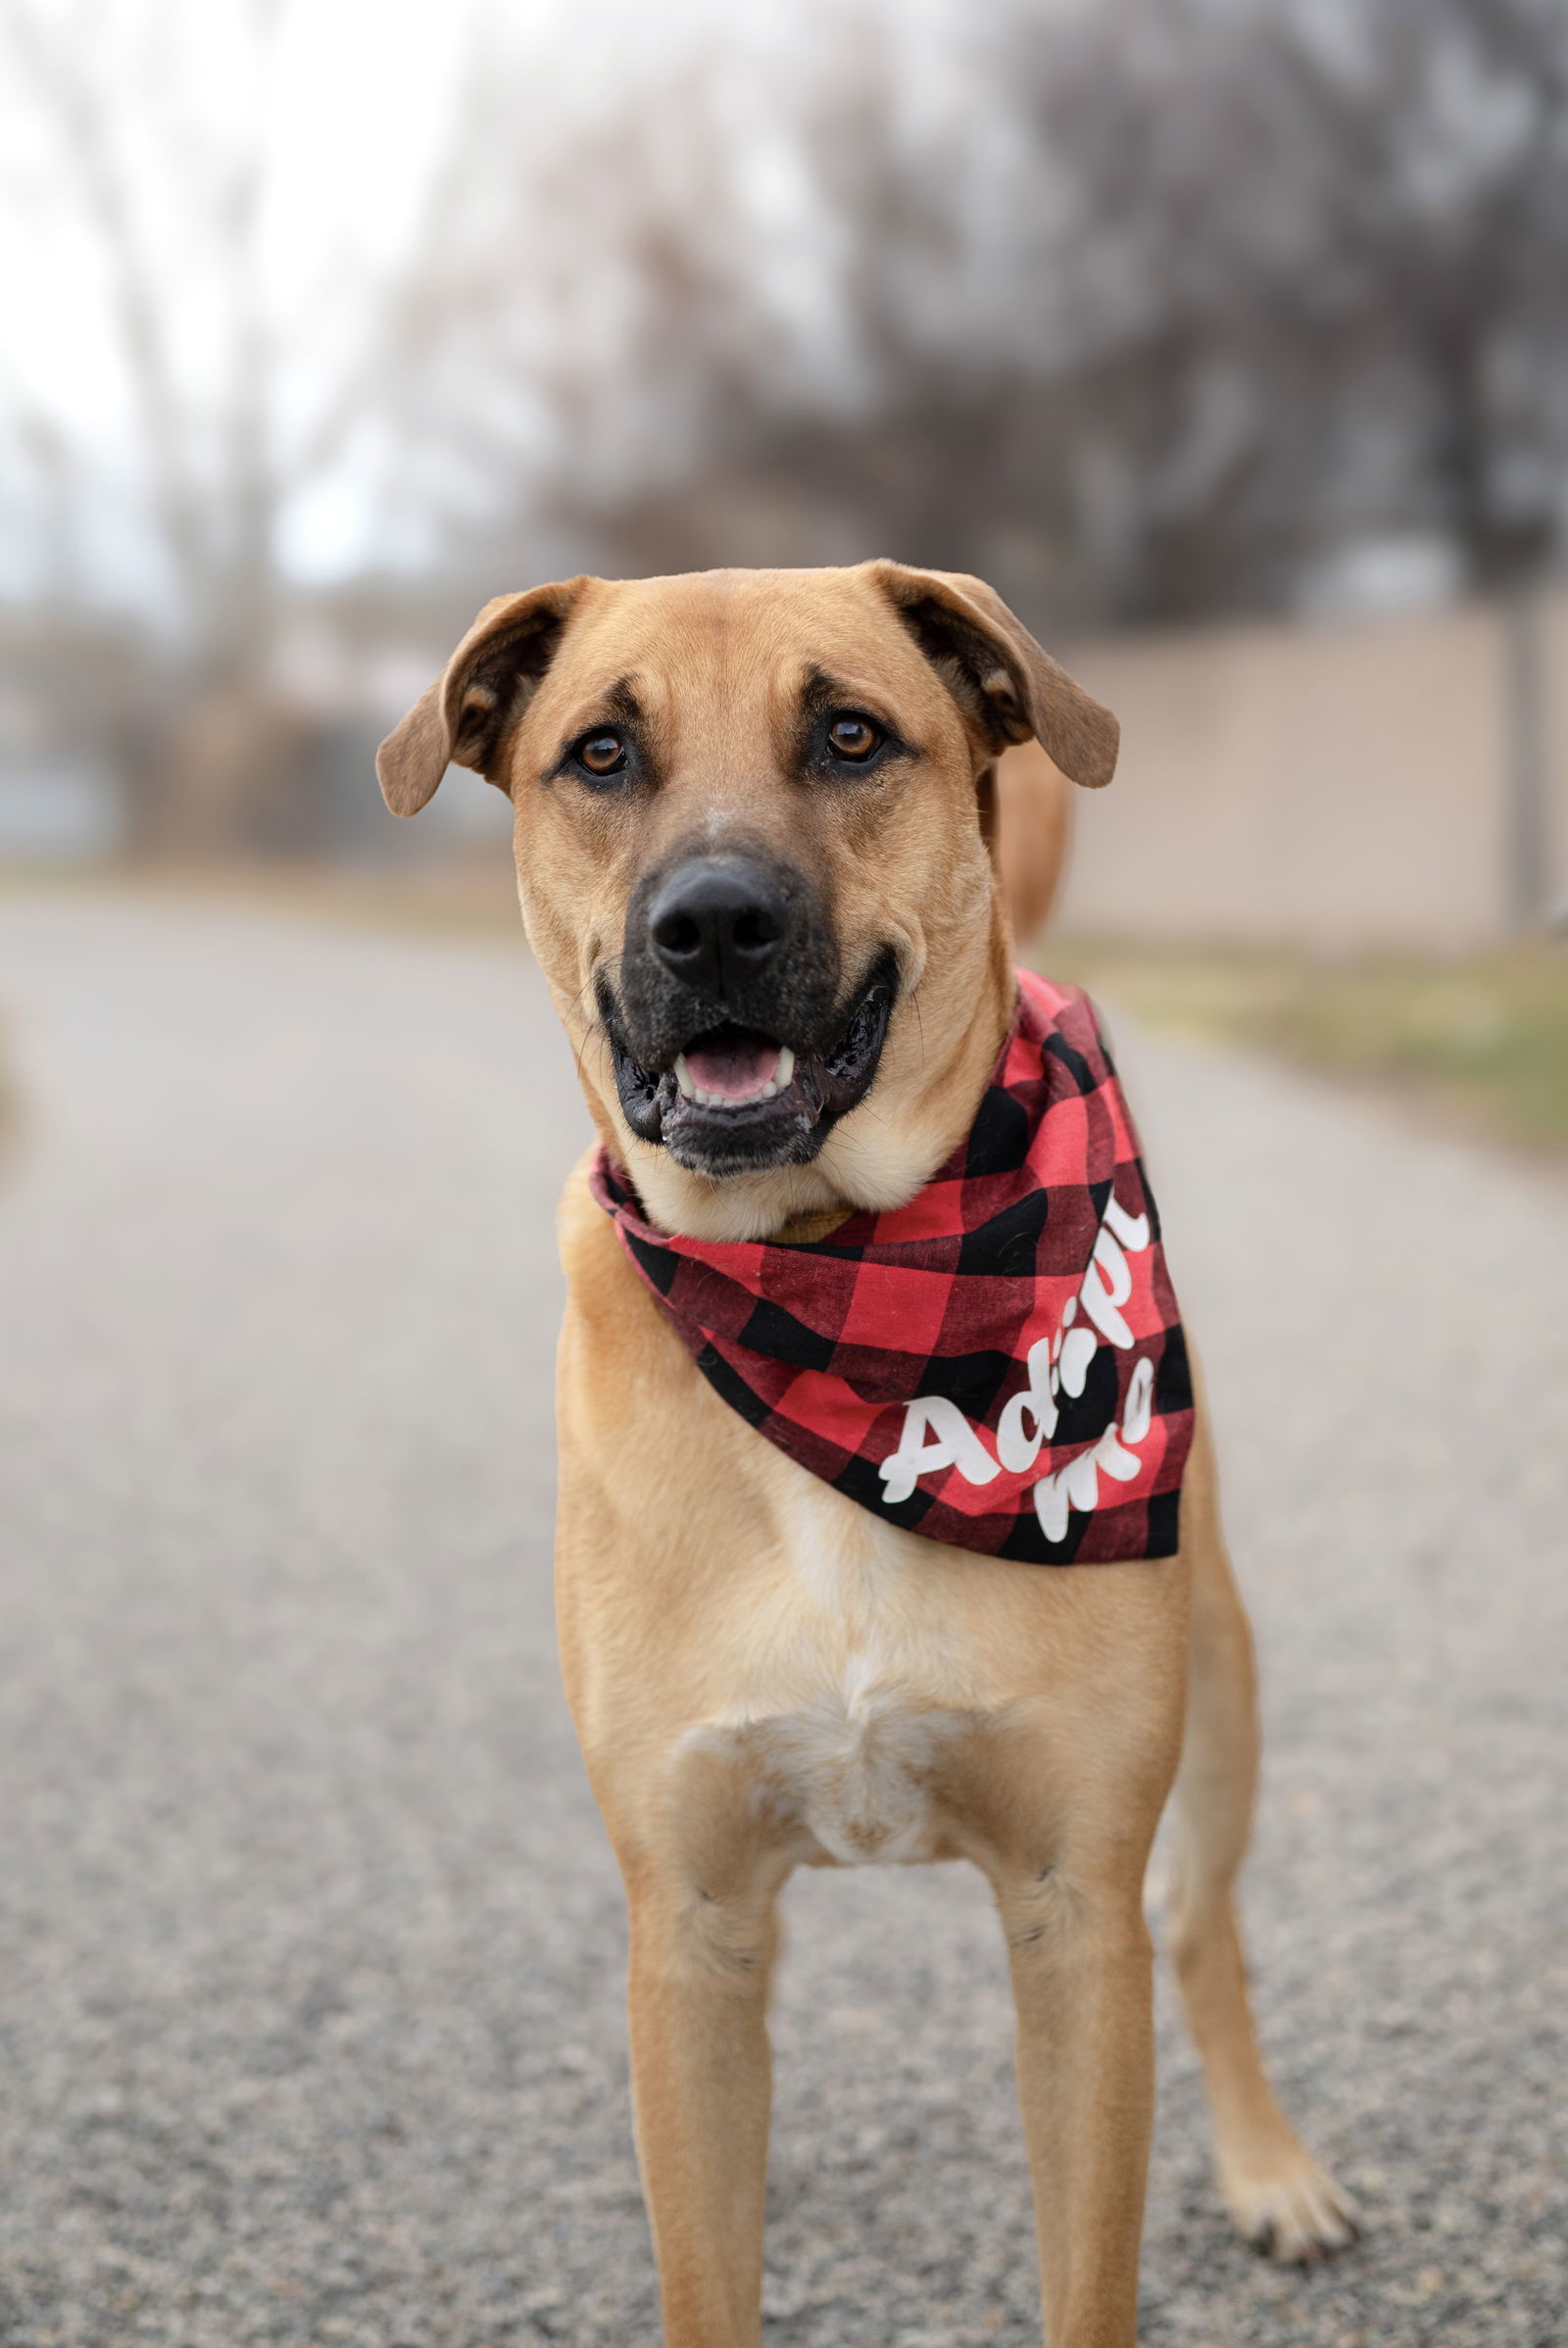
[942, 1047]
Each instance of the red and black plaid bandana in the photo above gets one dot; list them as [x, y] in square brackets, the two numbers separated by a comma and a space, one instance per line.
[999, 1364]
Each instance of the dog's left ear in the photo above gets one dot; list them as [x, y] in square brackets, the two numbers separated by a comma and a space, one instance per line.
[1006, 686]
[466, 716]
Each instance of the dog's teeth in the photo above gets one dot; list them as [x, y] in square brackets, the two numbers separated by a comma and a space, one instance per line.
[702, 1099]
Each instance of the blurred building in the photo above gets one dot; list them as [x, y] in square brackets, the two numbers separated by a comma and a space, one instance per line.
[1389, 781]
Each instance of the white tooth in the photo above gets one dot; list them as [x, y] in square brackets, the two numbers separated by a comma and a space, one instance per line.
[785, 1068]
[683, 1079]
[767, 1091]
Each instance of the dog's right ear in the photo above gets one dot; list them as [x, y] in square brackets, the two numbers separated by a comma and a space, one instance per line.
[489, 681]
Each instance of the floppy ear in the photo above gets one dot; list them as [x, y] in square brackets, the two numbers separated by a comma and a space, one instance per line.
[489, 681]
[1006, 685]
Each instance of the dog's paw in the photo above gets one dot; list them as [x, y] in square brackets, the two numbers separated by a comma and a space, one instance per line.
[1291, 2210]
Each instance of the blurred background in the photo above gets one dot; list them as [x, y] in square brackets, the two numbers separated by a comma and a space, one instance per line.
[1229, 340]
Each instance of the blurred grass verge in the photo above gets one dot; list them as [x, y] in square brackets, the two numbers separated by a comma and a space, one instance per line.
[10, 1093]
[465, 896]
[1479, 1039]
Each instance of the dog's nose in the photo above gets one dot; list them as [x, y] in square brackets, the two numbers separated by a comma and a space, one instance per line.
[718, 921]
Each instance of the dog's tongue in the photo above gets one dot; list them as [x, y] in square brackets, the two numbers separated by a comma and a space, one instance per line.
[734, 1069]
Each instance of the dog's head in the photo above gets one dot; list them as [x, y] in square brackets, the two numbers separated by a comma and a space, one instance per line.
[752, 816]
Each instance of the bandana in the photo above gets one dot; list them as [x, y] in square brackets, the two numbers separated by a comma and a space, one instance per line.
[999, 1364]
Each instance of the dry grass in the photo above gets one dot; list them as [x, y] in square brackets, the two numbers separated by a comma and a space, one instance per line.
[472, 896]
[1482, 1039]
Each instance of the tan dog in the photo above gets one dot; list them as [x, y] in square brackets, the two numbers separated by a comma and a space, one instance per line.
[769, 798]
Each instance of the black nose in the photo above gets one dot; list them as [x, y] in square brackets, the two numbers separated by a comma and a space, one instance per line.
[718, 921]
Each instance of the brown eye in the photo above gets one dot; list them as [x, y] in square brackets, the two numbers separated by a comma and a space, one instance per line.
[854, 737]
[601, 753]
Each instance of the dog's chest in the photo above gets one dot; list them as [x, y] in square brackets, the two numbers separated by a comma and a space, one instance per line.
[854, 1702]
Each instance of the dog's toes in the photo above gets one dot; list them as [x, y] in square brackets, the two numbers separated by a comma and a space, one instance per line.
[1292, 2212]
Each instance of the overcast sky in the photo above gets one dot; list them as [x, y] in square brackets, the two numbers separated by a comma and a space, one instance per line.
[358, 106]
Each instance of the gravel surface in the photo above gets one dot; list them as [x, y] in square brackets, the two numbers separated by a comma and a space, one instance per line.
[311, 1947]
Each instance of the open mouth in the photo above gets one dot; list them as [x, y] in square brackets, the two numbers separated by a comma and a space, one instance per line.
[733, 1067]
[736, 1097]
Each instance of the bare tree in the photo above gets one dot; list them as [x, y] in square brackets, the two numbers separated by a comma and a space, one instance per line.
[236, 412]
[1325, 290]
[1175, 299]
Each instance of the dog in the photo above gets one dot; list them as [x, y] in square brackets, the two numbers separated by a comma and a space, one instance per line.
[757, 836]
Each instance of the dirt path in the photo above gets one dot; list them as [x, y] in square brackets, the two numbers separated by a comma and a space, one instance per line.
[310, 1941]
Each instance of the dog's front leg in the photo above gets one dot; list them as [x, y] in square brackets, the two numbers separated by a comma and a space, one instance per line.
[1082, 1982]
[702, 2083]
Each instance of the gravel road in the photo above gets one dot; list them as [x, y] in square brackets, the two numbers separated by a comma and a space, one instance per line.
[311, 1946]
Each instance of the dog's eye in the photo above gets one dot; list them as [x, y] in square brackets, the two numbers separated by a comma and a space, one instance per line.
[854, 737]
[601, 753]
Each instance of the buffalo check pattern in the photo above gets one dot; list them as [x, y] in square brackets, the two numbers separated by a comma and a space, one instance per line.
[997, 1366]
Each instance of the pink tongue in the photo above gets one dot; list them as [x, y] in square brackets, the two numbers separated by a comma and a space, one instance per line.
[734, 1071]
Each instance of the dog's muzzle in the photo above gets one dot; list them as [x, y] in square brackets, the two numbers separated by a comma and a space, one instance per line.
[735, 1044]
